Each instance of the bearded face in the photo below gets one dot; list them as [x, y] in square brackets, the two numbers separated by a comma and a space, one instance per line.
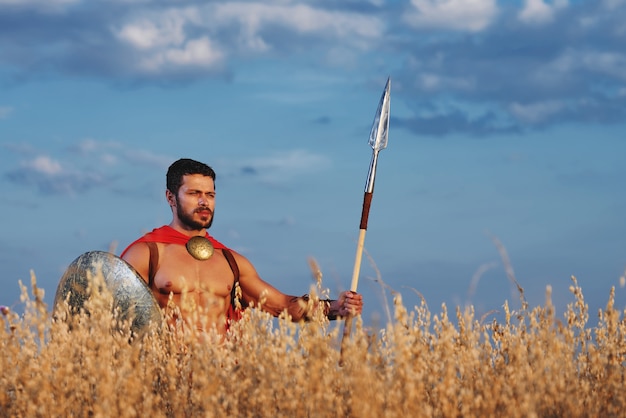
[198, 218]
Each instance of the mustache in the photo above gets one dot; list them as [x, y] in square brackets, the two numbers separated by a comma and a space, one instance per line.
[204, 208]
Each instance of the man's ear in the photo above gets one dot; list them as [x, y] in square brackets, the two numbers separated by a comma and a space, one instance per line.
[171, 199]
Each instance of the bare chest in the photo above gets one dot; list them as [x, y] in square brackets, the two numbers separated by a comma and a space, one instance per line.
[178, 273]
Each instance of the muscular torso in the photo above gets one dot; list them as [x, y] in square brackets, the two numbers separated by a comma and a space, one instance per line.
[201, 289]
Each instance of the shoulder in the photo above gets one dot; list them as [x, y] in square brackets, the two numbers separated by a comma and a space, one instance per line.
[137, 248]
[246, 268]
[239, 258]
[138, 256]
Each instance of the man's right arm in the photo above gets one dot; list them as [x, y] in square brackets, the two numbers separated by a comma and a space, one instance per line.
[138, 256]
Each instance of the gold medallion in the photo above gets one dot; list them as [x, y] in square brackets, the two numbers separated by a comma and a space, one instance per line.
[200, 248]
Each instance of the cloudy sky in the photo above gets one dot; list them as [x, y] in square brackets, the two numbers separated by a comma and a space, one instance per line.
[506, 141]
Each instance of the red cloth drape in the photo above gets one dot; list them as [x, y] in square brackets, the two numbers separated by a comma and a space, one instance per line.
[169, 235]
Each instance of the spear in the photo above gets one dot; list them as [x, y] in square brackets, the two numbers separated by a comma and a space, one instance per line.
[378, 142]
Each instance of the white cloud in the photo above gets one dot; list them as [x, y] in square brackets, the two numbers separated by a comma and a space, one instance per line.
[162, 30]
[572, 60]
[295, 161]
[434, 82]
[463, 15]
[540, 12]
[352, 28]
[5, 111]
[196, 53]
[187, 37]
[613, 4]
[50, 177]
[162, 42]
[44, 165]
[609, 63]
[109, 159]
[146, 158]
[89, 145]
[72, 175]
[536, 112]
[278, 167]
[112, 152]
[21, 148]
[106, 152]
[299, 17]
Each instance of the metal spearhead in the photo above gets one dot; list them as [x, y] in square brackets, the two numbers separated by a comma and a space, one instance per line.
[379, 134]
[380, 127]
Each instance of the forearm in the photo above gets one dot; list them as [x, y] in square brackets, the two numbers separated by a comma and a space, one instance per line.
[299, 308]
[302, 308]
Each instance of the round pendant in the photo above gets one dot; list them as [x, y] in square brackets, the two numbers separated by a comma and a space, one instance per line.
[200, 248]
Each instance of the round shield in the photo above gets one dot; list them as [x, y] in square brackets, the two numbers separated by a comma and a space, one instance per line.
[130, 294]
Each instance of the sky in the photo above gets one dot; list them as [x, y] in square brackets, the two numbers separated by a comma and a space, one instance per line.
[505, 158]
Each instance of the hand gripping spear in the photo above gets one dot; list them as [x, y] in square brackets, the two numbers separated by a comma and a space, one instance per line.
[378, 142]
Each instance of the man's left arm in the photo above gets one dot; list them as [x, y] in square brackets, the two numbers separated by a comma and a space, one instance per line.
[256, 290]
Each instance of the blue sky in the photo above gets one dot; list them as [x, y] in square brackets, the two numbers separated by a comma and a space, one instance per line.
[507, 125]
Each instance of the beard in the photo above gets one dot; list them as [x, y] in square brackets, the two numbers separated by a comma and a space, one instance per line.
[187, 219]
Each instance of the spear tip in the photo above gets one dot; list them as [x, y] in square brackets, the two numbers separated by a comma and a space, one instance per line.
[380, 127]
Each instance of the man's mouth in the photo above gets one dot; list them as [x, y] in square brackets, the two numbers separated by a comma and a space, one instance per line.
[204, 211]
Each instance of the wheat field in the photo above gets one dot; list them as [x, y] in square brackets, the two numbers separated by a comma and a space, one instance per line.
[422, 364]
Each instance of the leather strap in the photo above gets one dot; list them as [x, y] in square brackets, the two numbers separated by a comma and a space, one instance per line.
[154, 262]
[235, 268]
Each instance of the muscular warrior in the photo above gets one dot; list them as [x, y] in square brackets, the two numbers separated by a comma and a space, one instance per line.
[204, 290]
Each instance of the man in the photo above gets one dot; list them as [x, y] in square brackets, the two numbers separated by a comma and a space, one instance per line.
[205, 290]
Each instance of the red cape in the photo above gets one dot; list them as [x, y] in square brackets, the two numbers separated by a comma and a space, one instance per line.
[169, 235]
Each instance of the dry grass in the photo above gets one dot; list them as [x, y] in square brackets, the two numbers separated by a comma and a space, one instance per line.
[421, 365]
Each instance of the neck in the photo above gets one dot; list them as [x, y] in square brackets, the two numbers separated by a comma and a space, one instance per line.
[177, 226]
